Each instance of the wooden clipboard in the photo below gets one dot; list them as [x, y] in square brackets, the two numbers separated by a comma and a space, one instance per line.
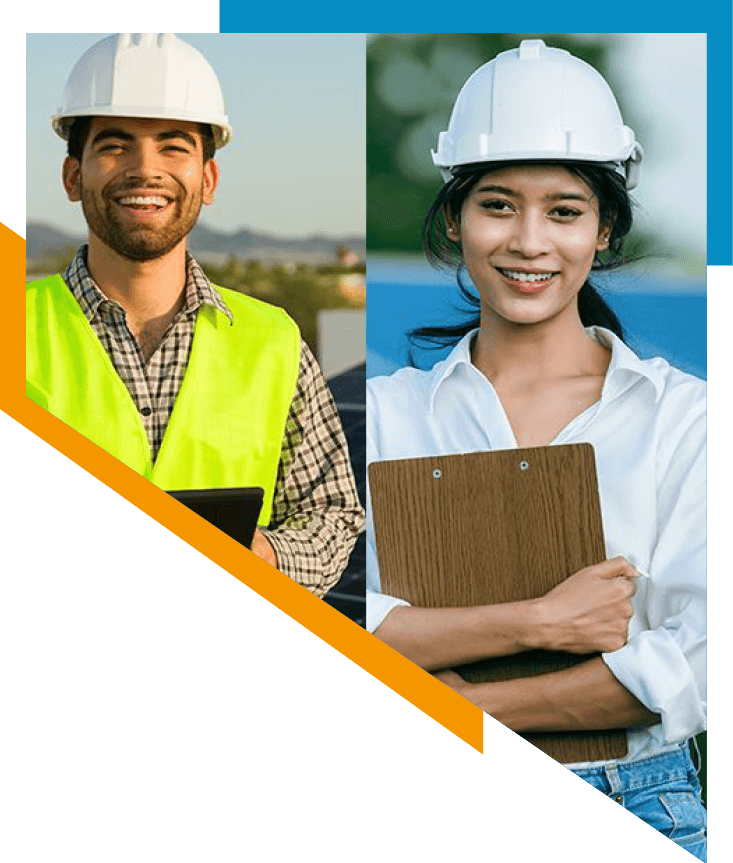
[491, 527]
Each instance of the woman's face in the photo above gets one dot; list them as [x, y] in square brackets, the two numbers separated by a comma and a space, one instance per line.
[529, 235]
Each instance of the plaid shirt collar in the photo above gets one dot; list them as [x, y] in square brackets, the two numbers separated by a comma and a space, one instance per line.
[199, 290]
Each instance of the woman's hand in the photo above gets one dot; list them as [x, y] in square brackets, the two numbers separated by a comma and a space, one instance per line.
[454, 680]
[589, 611]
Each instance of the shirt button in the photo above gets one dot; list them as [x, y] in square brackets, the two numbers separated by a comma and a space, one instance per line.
[619, 798]
[146, 411]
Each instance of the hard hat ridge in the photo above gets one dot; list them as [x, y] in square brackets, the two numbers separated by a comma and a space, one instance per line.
[145, 40]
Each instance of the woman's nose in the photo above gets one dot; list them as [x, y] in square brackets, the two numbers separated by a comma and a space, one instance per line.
[529, 237]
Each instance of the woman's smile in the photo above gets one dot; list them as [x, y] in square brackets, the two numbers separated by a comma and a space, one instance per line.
[529, 235]
[527, 281]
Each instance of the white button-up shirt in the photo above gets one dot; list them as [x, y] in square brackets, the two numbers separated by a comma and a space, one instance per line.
[648, 430]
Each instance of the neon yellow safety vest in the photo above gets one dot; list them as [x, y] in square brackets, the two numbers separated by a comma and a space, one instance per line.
[228, 423]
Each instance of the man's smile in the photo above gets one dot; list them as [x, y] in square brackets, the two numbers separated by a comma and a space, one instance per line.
[142, 203]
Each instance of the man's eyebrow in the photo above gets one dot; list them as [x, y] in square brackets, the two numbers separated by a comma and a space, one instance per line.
[177, 133]
[111, 133]
[121, 135]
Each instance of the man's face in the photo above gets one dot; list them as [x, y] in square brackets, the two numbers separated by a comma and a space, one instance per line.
[141, 183]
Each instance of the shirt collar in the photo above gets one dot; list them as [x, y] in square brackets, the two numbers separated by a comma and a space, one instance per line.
[625, 365]
[199, 290]
[624, 368]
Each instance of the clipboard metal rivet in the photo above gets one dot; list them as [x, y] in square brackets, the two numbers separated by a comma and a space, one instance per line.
[437, 473]
[523, 465]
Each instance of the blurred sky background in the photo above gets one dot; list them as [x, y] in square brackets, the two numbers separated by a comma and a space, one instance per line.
[658, 79]
[295, 165]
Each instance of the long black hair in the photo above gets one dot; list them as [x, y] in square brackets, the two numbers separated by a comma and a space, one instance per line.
[614, 209]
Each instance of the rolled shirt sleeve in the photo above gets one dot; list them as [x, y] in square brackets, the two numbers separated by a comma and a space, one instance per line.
[317, 516]
[378, 604]
[665, 666]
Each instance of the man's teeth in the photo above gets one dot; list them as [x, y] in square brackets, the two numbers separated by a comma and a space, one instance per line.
[525, 277]
[142, 201]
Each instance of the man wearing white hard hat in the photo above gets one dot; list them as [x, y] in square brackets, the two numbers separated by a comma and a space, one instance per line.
[192, 385]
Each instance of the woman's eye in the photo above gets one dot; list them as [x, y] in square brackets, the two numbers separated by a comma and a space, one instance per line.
[495, 204]
[566, 212]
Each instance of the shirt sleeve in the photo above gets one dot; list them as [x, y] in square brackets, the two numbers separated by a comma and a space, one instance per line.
[378, 604]
[665, 666]
[316, 514]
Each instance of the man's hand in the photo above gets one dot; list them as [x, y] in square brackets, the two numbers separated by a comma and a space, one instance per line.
[262, 548]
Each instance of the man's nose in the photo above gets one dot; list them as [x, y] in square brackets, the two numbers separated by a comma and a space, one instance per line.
[143, 162]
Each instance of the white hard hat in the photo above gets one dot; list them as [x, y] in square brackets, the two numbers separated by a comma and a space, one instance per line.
[155, 75]
[536, 102]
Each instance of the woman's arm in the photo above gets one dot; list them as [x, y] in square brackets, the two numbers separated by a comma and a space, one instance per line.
[439, 637]
[585, 697]
[586, 613]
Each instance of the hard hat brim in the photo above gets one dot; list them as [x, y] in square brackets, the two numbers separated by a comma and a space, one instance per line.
[628, 167]
[61, 122]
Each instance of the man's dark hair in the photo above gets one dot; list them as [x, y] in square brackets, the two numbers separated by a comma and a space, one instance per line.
[79, 132]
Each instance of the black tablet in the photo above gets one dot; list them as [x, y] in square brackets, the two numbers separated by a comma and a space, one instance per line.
[233, 510]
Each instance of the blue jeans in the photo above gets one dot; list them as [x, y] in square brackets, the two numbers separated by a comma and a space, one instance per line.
[663, 791]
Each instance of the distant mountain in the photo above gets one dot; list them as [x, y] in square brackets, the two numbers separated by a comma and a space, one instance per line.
[42, 238]
[211, 243]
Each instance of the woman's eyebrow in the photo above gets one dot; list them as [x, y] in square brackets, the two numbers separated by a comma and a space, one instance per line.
[502, 190]
[566, 196]
[554, 196]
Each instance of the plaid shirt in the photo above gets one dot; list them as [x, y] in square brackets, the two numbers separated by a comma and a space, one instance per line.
[316, 516]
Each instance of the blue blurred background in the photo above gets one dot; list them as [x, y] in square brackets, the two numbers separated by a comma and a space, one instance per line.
[662, 315]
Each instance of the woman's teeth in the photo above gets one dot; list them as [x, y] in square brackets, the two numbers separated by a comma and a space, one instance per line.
[517, 276]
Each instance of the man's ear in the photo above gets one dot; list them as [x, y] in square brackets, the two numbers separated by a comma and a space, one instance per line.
[71, 178]
[211, 181]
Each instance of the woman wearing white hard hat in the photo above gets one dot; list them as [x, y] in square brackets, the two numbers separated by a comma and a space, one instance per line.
[537, 164]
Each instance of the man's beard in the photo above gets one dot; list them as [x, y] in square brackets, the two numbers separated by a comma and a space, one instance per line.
[140, 242]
